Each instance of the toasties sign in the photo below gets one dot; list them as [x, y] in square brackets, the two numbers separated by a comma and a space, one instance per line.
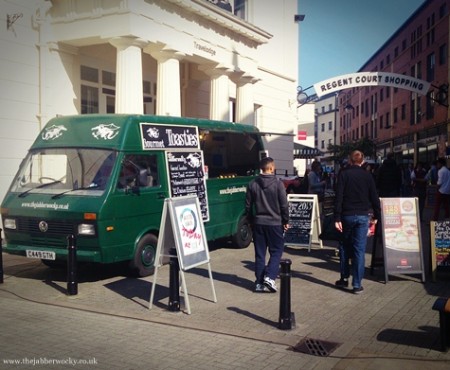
[156, 137]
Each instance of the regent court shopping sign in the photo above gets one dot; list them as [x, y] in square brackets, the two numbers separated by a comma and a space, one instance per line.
[352, 80]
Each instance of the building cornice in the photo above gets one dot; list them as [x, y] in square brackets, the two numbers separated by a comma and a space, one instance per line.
[225, 19]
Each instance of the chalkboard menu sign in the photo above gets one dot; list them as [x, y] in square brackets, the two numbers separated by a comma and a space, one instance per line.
[301, 216]
[185, 170]
[440, 247]
[401, 236]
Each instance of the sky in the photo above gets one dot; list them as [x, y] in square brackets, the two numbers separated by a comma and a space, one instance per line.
[339, 36]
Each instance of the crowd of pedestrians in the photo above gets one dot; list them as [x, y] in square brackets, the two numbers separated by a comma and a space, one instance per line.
[358, 188]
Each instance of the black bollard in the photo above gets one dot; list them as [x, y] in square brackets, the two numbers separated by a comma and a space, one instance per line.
[72, 279]
[1, 258]
[286, 319]
[174, 282]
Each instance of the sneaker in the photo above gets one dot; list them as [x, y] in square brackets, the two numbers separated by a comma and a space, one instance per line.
[260, 288]
[270, 284]
[341, 283]
[358, 290]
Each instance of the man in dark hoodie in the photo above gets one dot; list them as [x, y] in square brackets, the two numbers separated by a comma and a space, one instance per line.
[389, 178]
[266, 205]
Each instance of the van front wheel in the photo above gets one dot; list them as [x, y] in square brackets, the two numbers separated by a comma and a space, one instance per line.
[143, 263]
[243, 236]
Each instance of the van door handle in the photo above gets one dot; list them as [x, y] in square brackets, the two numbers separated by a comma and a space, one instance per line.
[161, 196]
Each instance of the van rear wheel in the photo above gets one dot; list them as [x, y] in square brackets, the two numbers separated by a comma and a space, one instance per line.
[243, 236]
[143, 263]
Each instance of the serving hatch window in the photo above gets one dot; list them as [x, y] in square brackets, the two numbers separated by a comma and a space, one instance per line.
[230, 153]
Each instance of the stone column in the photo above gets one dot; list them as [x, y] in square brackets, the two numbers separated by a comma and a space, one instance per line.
[129, 94]
[219, 99]
[245, 112]
[168, 91]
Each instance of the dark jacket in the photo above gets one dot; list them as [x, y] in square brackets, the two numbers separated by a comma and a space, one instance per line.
[266, 202]
[389, 179]
[356, 194]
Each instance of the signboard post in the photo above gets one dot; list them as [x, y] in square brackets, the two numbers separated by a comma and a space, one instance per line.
[181, 225]
[440, 247]
[304, 221]
[402, 240]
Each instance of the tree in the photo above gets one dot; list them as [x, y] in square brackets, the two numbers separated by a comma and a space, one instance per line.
[340, 152]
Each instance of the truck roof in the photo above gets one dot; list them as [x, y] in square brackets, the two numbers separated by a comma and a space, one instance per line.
[118, 131]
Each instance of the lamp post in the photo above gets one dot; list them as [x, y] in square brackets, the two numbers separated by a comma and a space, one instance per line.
[336, 121]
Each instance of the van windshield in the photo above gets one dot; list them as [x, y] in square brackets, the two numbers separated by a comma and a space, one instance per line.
[63, 170]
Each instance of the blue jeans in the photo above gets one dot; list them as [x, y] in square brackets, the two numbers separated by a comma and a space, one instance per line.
[354, 246]
[267, 237]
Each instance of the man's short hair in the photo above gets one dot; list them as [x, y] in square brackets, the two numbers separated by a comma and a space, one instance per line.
[442, 161]
[357, 157]
[265, 163]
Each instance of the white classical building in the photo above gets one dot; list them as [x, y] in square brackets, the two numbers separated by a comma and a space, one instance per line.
[227, 60]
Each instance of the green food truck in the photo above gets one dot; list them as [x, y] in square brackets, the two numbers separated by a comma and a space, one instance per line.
[104, 179]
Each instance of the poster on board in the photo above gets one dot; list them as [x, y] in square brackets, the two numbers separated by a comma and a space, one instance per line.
[185, 170]
[304, 220]
[184, 226]
[402, 239]
[440, 248]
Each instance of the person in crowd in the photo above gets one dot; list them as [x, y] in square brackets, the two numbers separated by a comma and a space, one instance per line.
[389, 178]
[443, 191]
[407, 189]
[342, 166]
[316, 184]
[432, 174]
[299, 185]
[419, 184]
[356, 196]
[304, 183]
[267, 207]
[369, 168]
[128, 174]
[326, 177]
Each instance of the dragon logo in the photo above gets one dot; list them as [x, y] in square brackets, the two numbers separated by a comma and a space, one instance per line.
[105, 132]
[194, 160]
[153, 133]
[53, 132]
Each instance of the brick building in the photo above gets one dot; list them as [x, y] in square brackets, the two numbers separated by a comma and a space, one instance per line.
[415, 127]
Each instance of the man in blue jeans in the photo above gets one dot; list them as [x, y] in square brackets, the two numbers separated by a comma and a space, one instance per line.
[356, 196]
[267, 207]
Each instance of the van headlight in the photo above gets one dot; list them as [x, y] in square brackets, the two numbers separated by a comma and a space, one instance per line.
[86, 229]
[10, 223]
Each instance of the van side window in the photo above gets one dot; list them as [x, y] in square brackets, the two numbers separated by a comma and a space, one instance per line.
[139, 170]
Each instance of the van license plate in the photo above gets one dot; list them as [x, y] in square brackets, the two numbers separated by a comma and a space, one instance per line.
[43, 255]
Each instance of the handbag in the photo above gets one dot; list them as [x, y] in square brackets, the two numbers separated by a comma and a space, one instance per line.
[329, 231]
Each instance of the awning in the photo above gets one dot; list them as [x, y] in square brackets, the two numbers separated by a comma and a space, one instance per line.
[305, 152]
